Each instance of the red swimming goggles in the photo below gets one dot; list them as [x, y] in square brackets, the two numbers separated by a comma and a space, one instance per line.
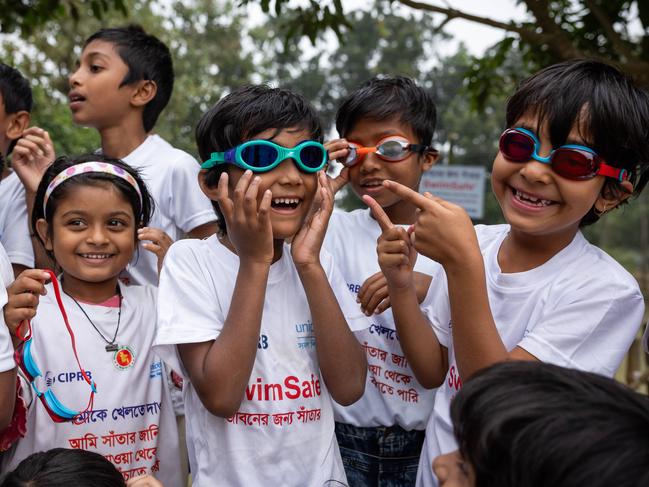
[23, 356]
[570, 161]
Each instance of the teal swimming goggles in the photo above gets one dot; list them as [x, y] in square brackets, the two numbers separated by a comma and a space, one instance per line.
[263, 155]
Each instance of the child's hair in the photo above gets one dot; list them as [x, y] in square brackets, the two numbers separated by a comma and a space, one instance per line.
[141, 210]
[245, 113]
[611, 112]
[62, 467]
[147, 58]
[382, 98]
[534, 424]
[16, 93]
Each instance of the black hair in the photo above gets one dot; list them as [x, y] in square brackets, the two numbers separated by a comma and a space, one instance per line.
[63, 467]
[611, 112]
[147, 58]
[16, 93]
[141, 211]
[534, 424]
[382, 98]
[246, 112]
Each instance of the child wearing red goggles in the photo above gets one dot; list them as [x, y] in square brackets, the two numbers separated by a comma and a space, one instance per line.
[534, 288]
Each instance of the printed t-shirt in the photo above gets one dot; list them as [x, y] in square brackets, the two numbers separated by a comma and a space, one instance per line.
[580, 310]
[6, 346]
[14, 227]
[131, 421]
[171, 176]
[392, 394]
[283, 433]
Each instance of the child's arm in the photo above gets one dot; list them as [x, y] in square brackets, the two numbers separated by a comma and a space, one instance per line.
[426, 355]
[444, 232]
[340, 356]
[7, 397]
[220, 369]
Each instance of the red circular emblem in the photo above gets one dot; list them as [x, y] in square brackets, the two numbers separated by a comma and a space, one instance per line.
[123, 358]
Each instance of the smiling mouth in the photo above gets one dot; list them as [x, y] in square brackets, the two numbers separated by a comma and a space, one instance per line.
[285, 203]
[96, 256]
[374, 183]
[531, 200]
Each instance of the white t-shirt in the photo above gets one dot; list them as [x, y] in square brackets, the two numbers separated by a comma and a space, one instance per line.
[131, 422]
[283, 433]
[580, 310]
[14, 225]
[6, 346]
[392, 394]
[171, 175]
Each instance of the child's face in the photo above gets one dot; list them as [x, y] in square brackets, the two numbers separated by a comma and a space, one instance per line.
[293, 190]
[96, 98]
[367, 175]
[452, 471]
[12, 125]
[537, 201]
[92, 235]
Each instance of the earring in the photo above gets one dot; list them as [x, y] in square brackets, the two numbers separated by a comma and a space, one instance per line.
[599, 213]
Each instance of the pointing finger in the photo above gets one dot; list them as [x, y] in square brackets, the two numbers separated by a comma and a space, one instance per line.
[382, 219]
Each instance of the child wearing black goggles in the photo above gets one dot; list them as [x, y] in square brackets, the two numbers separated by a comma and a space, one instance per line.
[264, 329]
[533, 289]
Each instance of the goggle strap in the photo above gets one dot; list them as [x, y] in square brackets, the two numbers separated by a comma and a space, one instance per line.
[612, 172]
[57, 293]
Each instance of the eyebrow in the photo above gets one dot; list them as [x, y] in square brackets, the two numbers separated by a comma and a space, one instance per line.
[83, 213]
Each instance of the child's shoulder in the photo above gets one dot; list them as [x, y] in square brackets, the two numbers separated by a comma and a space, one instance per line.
[157, 150]
[488, 234]
[351, 218]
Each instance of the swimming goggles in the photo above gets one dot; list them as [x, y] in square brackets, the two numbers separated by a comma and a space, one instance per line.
[263, 155]
[23, 356]
[391, 149]
[570, 161]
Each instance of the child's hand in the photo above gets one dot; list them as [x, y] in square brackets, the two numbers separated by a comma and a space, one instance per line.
[373, 295]
[396, 253]
[31, 156]
[247, 220]
[336, 149]
[306, 245]
[443, 231]
[158, 242]
[23, 296]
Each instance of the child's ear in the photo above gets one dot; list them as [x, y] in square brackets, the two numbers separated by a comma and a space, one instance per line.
[144, 93]
[429, 159]
[18, 123]
[43, 232]
[612, 196]
[209, 191]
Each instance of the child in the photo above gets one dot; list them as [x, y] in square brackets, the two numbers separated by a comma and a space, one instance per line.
[533, 424]
[86, 213]
[381, 436]
[7, 364]
[533, 289]
[123, 81]
[263, 343]
[15, 105]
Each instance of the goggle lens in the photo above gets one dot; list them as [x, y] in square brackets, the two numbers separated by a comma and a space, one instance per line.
[312, 156]
[574, 163]
[392, 150]
[516, 146]
[259, 156]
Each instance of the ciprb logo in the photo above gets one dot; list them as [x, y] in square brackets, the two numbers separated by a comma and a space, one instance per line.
[52, 378]
[124, 358]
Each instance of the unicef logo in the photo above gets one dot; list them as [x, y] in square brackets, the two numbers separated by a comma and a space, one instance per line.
[49, 379]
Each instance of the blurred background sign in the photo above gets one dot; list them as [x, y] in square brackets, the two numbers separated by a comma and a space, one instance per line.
[462, 185]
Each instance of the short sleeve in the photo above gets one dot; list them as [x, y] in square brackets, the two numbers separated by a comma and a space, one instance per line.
[590, 328]
[15, 234]
[436, 307]
[188, 308]
[188, 206]
[6, 347]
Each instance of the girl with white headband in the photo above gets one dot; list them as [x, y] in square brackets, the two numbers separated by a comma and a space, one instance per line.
[83, 341]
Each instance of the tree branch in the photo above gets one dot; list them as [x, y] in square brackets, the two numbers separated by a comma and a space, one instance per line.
[619, 45]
